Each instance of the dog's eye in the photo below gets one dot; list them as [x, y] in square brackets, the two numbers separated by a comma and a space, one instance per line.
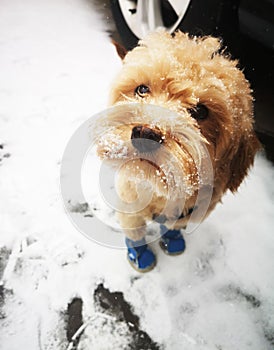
[142, 90]
[200, 112]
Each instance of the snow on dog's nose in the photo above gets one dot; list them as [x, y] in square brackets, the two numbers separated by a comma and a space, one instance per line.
[145, 139]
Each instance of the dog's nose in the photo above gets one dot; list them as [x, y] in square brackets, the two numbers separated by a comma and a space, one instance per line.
[146, 139]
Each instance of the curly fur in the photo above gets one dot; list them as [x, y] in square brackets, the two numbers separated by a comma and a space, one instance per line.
[182, 71]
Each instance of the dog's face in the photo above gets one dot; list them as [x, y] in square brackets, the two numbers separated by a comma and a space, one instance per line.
[211, 98]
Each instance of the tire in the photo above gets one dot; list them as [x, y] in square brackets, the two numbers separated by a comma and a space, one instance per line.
[201, 17]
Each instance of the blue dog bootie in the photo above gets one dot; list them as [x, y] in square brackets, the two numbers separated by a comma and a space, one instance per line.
[172, 241]
[140, 257]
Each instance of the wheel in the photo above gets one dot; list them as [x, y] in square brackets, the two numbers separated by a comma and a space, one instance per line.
[135, 18]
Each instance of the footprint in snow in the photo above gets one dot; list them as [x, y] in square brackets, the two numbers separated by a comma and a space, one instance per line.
[3, 154]
[113, 315]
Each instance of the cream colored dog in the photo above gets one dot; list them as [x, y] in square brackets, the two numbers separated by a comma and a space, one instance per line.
[211, 99]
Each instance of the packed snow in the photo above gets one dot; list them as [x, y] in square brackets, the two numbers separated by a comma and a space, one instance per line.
[56, 66]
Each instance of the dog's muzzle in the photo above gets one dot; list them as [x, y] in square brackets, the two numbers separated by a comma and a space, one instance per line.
[145, 139]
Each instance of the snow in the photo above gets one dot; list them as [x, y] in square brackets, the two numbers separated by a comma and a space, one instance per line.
[56, 65]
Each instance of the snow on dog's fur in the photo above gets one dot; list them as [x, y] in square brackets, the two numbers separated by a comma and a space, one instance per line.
[213, 104]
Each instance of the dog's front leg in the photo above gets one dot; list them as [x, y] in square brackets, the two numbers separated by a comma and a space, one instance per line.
[133, 225]
[139, 255]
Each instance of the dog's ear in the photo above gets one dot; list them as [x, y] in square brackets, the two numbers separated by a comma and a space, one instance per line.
[121, 50]
[243, 160]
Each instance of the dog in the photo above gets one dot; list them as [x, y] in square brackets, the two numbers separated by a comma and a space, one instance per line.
[209, 108]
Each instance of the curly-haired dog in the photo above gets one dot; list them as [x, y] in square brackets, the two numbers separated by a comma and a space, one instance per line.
[212, 100]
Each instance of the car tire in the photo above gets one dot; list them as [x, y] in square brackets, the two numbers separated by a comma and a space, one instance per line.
[200, 18]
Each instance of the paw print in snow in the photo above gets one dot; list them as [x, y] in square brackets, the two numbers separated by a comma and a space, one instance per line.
[3, 153]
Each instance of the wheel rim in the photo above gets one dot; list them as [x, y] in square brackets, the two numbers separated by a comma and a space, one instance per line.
[144, 16]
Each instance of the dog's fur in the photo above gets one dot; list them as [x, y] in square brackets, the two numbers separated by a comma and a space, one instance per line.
[182, 71]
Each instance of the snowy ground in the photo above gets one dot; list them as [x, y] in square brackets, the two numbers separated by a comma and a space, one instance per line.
[56, 65]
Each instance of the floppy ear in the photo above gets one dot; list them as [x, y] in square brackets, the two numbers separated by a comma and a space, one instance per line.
[243, 160]
[121, 50]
